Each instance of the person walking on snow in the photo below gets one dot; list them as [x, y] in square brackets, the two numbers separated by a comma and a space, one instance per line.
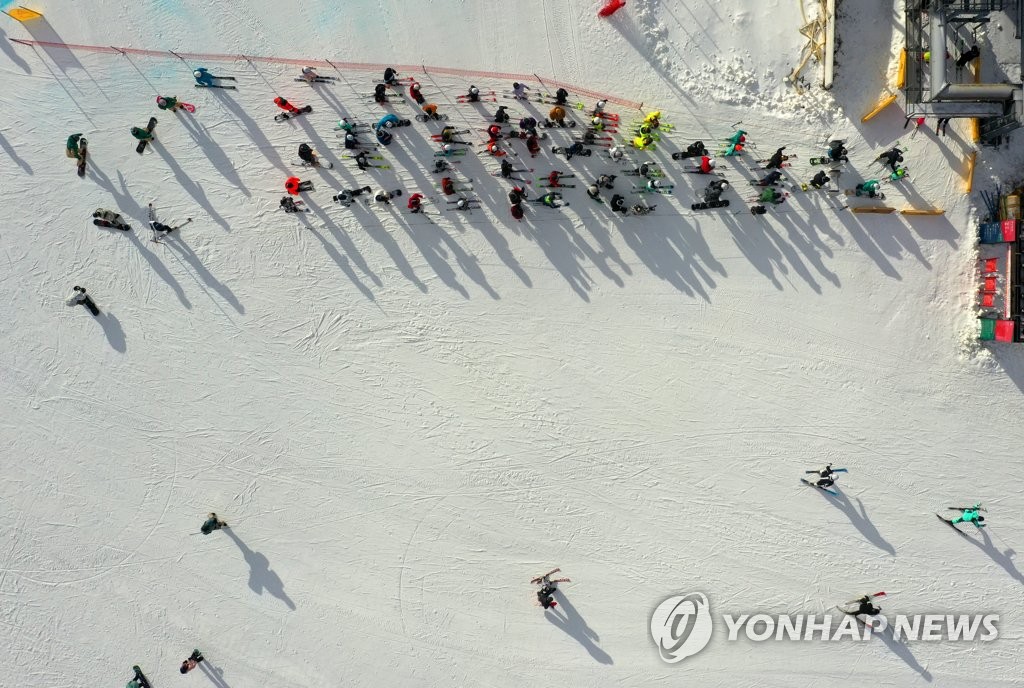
[295, 186]
[190, 663]
[168, 103]
[211, 524]
[777, 158]
[80, 298]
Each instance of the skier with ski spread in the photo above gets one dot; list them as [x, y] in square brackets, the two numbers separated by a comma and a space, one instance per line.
[598, 108]
[390, 76]
[555, 178]
[211, 524]
[79, 297]
[415, 93]
[204, 78]
[561, 96]
[892, 157]
[351, 142]
[820, 180]
[494, 149]
[294, 186]
[159, 228]
[380, 93]
[771, 195]
[695, 149]
[899, 174]
[618, 204]
[362, 160]
[653, 119]
[309, 75]
[643, 142]
[778, 157]
[551, 200]
[519, 90]
[473, 95]
[169, 103]
[506, 169]
[736, 143]
[500, 116]
[968, 515]
[447, 186]
[616, 153]
[190, 663]
[556, 116]
[528, 124]
[415, 203]
[837, 151]
[868, 188]
[430, 111]
[865, 607]
[771, 178]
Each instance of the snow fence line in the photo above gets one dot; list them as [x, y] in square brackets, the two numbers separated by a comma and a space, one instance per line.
[355, 66]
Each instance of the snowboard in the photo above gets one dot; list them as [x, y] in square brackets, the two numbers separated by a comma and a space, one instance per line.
[853, 192]
[326, 165]
[424, 118]
[288, 115]
[149, 128]
[216, 85]
[823, 489]
[107, 223]
[708, 206]
[140, 677]
[83, 153]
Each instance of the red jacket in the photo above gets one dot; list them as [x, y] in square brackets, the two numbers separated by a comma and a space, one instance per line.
[285, 105]
[705, 165]
[291, 185]
[447, 186]
[553, 178]
[414, 201]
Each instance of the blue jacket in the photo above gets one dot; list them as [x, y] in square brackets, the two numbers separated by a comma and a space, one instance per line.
[204, 77]
[388, 120]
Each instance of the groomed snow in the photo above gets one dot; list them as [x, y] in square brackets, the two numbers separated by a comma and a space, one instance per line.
[405, 419]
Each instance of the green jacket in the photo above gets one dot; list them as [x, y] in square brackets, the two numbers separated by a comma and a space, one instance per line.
[142, 134]
[73, 143]
[169, 103]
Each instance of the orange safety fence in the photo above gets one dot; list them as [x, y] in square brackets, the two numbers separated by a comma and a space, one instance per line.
[356, 66]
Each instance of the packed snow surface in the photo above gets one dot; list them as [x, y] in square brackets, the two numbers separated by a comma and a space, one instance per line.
[406, 418]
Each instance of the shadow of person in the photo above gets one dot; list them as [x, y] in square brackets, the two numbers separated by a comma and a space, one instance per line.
[9, 51]
[214, 673]
[261, 577]
[115, 333]
[570, 621]
[9, 149]
[902, 650]
[859, 518]
[1004, 559]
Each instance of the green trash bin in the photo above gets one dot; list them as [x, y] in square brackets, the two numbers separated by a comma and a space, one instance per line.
[988, 329]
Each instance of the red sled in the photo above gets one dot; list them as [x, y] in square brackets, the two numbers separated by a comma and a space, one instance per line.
[611, 8]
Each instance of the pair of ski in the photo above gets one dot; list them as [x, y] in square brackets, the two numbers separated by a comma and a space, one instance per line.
[697, 170]
[949, 523]
[222, 78]
[546, 578]
[872, 596]
[651, 174]
[319, 79]
[288, 115]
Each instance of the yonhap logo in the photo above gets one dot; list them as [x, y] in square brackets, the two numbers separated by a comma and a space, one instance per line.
[681, 626]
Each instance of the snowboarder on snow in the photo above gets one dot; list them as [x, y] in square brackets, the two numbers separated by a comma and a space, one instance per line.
[384, 137]
[73, 148]
[307, 155]
[168, 103]
[618, 204]
[575, 149]
[380, 93]
[713, 191]
[80, 298]
[347, 196]
[594, 191]
[294, 186]
[290, 205]
[415, 202]
[837, 151]
[143, 134]
[430, 110]
[868, 188]
[389, 120]
[415, 94]
[819, 180]
[384, 197]
[190, 663]
[500, 116]
[211, 524]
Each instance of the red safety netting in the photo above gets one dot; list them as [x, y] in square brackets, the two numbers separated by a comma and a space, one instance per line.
[352, 66]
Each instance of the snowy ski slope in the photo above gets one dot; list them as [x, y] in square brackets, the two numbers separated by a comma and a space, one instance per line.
[404, 419]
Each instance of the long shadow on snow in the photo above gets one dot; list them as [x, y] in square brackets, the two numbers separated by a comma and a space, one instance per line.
[178, 245]
[218, 158]
[214, 673]
[193, 188]
[256, 134]
[570, 621]
[112, 328]
[9, 149]
[858, 516]
[1004, 559]
[348, 246]
[261, 577]
[902, 650]
[12, 54]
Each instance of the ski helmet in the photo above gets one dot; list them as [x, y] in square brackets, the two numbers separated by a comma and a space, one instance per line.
[599, 105]
[161, 101]
[350, 137]
[308, 70]
[515, 84]
[712, 162]
[724, 185]
[446, 147]
[474, 90]
[196, 73]
[596, 121]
